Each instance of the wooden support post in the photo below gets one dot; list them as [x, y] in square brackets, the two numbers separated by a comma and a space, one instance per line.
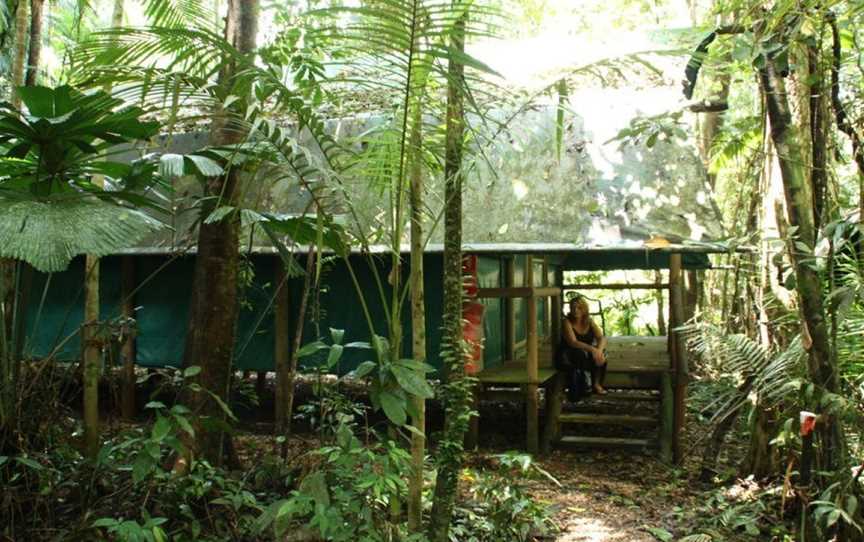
[128, 351]
[281, 352]
[260, 384]
[677, 350]
[531, 399]
[667, 418]
[554, 402]
[509, 311]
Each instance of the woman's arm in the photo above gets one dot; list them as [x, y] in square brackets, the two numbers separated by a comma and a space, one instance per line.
[598, 333]
[572, 341]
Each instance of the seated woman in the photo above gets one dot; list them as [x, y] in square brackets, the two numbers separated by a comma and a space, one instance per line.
[582, 348]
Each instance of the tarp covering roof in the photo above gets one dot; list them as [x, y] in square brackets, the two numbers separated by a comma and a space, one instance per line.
[574, 257]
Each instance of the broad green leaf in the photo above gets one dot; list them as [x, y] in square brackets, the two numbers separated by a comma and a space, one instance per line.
[412, 381]
[311, 348]
[335, 355]
[364, 369]
[394, 407]
[161, 429]
[27, 462]
[206, 166]
[191, 371]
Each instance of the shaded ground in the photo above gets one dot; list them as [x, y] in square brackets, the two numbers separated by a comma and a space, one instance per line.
[609, 496]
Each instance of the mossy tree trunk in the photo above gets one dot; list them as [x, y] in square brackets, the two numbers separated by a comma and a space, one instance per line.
[456, 391]
[799, 208]
[418, 322]
[213, 315]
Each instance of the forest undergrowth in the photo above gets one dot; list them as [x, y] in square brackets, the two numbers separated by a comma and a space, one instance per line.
[337, 479]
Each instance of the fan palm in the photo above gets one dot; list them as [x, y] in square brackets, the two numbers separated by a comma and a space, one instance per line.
[51, 151]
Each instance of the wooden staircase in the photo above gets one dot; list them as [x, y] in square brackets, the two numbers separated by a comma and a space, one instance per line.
[635, 414]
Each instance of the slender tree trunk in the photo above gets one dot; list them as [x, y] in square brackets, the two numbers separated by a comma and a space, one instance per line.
[35, 53]
[842, 119]
[799, 202]
[281, 351]
[117, 14]
[8, 291]
[213, 315]
[818, 136]
[91, 356]
[291, 373]
[128, 349]
[418, 324]
[19, 62]
[456, 392]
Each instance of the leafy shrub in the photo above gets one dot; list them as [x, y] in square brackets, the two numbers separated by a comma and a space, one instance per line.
[499, 509]
[349, 495]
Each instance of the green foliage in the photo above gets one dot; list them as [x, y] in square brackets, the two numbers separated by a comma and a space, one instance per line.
[349, 494]
[50, 154]
[649, 130]
[499, 508]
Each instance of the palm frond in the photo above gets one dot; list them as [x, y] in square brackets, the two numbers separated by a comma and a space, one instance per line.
[48, 234]
[181, 14]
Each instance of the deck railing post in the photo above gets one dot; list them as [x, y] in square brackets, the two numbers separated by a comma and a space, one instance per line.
[509, 312]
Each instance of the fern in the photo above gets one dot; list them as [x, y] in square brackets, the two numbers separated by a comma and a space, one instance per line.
[768, 375]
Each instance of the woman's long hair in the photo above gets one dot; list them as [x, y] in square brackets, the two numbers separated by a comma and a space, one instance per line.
[579, 301]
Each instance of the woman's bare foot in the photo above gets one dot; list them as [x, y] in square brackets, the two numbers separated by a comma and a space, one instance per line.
[599, 390]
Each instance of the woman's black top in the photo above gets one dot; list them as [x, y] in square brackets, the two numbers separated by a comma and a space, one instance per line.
[569, 357]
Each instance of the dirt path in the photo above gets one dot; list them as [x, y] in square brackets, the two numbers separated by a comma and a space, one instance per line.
[606, 497]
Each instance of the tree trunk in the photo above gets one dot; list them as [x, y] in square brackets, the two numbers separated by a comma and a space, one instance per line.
[281, 351]
[842, 119]
[418, 324]
[818, 136]
[456, 392]
[19, 61]
[35, 53]
[8, 291]
[128, 350]
[291, 373]
[117, 14]
[213, 314]
[821, 363]
[91, 356]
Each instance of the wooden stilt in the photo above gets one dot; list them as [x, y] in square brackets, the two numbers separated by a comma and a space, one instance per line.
[554, 402]
[532, 411]
[667, 418]
[509, 312]
[531, 400]
[260, 384]
[128, 351]
[678, 352]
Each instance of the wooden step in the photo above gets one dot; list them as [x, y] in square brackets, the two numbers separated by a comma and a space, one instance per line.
[628, 395]
[608, 442]
[607, 419]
